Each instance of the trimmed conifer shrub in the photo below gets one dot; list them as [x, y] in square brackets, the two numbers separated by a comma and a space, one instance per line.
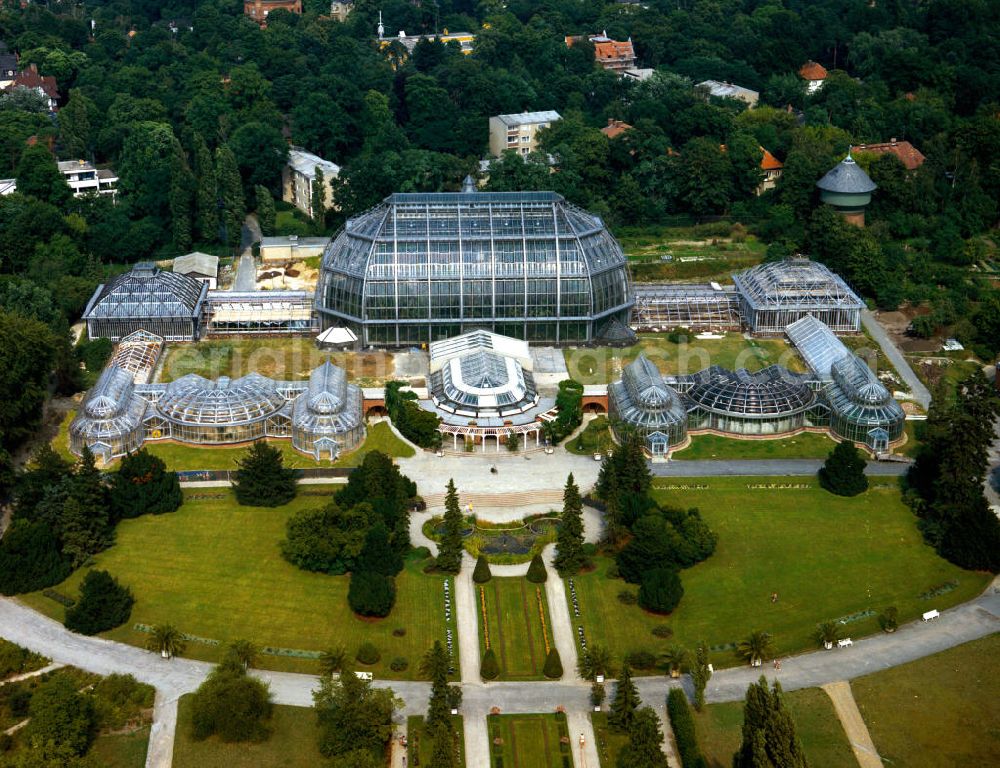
[553, 668]
[482, 573]
[661, 590]
[368, 654]
[489, 669]
[843, 473]
[682, 722]
[142, 486]
[262, 479]
[104, 604]
[371, 594]
[536, 571]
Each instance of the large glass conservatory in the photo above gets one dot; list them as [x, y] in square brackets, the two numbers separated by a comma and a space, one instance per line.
[641, 400]
[327, 418]
[773, 296]
[482, 375]
[322, 416]
[148, 299]
[110, 421]
[422, 267]
[861, 408]
[225, 410]
[772, 401]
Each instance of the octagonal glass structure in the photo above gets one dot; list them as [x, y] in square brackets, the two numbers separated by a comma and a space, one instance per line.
[643, 401]
[428, 266]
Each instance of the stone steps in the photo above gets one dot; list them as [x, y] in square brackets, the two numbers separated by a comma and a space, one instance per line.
[507, 500]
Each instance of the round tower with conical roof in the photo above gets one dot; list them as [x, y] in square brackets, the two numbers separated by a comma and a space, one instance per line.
[848, 189]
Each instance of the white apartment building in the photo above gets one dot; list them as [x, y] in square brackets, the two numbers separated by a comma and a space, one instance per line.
[519, 132]
[84, 178]
[298, 176]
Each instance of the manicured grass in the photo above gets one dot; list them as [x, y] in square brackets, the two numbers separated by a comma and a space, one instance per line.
[826, 556]
[380, 437]
[823, 739]
[515, 626]
[939, 711]
[419, 749]
[805, 445]
[127, 750]
[292, 223]
[60, 443]
[530, 741]
[214, 569]
[596, 436]
[293, 743]
[609, 743]
[602, 365]
[278, 358]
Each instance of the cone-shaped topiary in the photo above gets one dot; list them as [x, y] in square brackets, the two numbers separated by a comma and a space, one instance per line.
[489, 669]
[553, 665]
[536, 571]
[482, 573]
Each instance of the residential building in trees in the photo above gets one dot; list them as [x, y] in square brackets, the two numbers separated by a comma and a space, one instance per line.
[30, 79]
[724, 90]
[84, 178]
[298, 176]
[258, 10]
[341, 10]
[814, 74]
[911, 157]
[8, 66]
[519, 132]
[200, 266]
[612, 55]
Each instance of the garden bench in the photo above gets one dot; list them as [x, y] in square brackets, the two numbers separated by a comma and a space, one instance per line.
[845, 642]
[931, 615]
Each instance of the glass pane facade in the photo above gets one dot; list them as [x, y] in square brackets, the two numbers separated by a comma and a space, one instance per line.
[644, 402]
[418, 267]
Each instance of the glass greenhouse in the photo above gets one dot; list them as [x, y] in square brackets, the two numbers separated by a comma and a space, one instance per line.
[327, 418]
[481, 374]
[110, 420]
[422, 267]
[643, 401]
[773, 296]
[862, 409]
[167, 304]
[768, 402]
[322, 417]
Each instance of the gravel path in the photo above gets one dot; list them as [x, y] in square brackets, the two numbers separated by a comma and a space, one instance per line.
[920, 393]
[854, 726]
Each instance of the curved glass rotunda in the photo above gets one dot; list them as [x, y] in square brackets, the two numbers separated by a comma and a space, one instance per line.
[642, 400]
[428, 266]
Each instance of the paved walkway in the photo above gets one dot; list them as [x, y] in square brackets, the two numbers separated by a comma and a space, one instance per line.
[28, 675]
[920, 393]
[854, 726]
[21, 625]
[763, 467]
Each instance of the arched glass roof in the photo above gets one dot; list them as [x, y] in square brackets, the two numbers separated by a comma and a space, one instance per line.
[148, 292]
[193, 399]
[329, 406]
[481, 371]
[111, 409]
[771, 392]
[643, 399]
[795, 283]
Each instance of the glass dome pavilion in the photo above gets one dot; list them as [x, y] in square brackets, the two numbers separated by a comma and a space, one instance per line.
[643, 401]
[423, 267]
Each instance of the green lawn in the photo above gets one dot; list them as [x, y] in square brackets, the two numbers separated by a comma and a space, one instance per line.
[126, 750]
[602, 365]
[805, 445]
[823, 738]
[608, 742]
[826, 556]
[419, 750]
[940, 712]
[694, 255]
[596, 436]
[515, 626]
[380, 437]
[292, 223]
[288, 358]
[214, 569]
[293, 743]
[530, 741]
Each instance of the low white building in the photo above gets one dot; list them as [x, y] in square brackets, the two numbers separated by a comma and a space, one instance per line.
[724, 90]
[291, 248]
[8, 186]
[84, 178]
[519, 132]
[298, 176]
[341, 10]
[200, 266]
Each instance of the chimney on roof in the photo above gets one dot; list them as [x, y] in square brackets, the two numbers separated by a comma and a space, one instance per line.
[893, 141]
